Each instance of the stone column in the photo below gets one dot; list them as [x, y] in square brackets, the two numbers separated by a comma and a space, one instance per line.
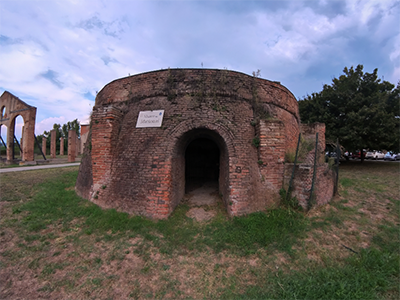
[44, 141]
[29, 135]
[53, 143]
[271, 152]
[21, 143]
[10, 142]
[71, 145]
[61, 146]
[106, 122]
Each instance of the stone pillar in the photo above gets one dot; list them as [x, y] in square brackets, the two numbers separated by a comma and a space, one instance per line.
[105, 132]
[44, 141]
[29, 135]
[61, 146]
[21, 143]
[271, 152]
[10, 142]
[53, 143]
[71, 145]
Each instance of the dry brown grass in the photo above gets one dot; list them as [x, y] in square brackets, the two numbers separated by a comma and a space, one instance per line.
[71, 264]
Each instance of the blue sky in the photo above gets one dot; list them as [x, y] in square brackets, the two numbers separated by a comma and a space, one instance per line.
[56, 55]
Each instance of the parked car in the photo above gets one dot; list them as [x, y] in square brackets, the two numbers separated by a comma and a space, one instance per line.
[331, 154]
[390, 156]
[374, 155]
[357, 154]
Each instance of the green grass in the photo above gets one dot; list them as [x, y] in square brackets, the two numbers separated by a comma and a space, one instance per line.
[278, 254]
[346, 182]
[365, 276]
[276, 229]
[53, 204]
[388, 238]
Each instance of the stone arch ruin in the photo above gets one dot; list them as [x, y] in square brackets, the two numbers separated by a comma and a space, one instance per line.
[11, 108]
[216, 125]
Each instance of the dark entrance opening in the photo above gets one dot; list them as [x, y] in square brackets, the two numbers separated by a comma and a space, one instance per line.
[202, 160]
[200, 168]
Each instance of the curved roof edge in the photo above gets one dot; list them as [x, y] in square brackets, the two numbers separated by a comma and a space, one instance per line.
[205, 69]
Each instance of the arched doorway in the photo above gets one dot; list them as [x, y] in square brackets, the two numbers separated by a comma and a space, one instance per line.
[3, 145]
[16, 114]
[200, 157]
[3, 133]
[3, 112]
[18, 137]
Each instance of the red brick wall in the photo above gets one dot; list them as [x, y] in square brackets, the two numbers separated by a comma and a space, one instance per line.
[84, 129]
[141, 170]
[324, 178]
[310, 130]
[271, 157]
[301, 189]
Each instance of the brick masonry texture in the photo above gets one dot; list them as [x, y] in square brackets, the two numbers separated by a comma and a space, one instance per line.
[61, 146]
[71, 145]
[324, 178]
[253, 121]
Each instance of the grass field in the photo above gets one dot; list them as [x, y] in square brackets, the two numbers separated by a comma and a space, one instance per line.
[56, 245]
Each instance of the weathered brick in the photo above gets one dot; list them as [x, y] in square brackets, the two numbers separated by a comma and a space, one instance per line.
[144, 168]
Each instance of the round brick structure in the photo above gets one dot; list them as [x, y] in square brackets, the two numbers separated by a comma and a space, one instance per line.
[218, 125]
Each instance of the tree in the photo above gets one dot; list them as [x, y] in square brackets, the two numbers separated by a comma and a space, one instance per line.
[61, 131]
[73, 125]
[358, 108]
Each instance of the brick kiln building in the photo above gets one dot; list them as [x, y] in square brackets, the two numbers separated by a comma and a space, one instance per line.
[217, 125]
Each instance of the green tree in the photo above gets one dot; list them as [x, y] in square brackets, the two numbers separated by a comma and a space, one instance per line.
[70, 125]
[73, 125]
[358, 108]
[61, 131]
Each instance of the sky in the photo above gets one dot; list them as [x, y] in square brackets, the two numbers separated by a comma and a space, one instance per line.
[57, 54]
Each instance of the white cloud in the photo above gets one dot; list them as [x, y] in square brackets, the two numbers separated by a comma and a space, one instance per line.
[86, 44]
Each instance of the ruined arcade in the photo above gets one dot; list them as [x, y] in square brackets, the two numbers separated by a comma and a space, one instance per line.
[11, 108]
[216, 125]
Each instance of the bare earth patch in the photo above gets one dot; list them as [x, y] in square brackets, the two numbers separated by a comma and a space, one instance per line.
[200, 215]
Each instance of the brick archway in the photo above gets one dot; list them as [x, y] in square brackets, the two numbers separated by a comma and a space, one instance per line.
[3, 112]
[11, 108]
[179, 160]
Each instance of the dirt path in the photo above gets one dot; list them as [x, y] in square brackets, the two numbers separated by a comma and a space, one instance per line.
[50, 166]
[203, 199]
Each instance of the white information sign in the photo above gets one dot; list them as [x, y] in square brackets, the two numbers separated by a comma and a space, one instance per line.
[149, 118]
